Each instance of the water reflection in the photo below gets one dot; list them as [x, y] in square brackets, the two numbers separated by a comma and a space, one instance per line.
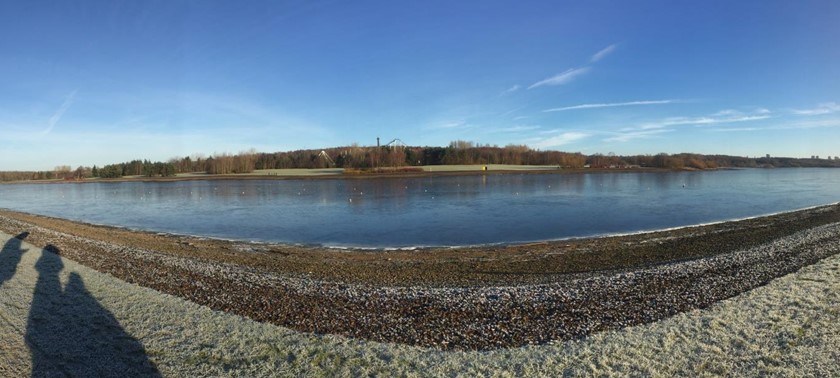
[571, 183]
[672, 181]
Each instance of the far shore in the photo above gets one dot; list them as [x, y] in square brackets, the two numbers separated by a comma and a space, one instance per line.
[386, 172]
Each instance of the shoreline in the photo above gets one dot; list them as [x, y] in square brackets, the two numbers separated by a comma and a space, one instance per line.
[473, 298]
[505, 252]
[317, 174]
[418, 248]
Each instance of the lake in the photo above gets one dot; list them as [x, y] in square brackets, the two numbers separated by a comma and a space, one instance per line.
[431, 211]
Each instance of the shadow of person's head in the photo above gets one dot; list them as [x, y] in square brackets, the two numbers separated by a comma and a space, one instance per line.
[10, 256]
[49, 262]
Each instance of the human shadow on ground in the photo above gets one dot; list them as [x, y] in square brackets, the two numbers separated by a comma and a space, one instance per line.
[70, 334]
[10, 257]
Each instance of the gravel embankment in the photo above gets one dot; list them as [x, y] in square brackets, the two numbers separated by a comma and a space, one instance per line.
[467, 317]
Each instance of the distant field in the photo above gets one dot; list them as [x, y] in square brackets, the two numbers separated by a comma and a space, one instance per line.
[425, 168]
[327, 172]
[490, 167]
[297, 172]
[302, 172]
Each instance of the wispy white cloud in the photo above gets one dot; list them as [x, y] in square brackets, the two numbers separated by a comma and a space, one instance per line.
[726, 112]
[723, 117]
[699, 121]
[609, 105]
[635, 134]
[736, 129]
[815, 124]
[570, 74]
[601, 54]
[68, 101]
[812, 124]
[737, 113]
[833, 123]
[559, 140]
[562, 78]
[519, 118]
[453, 125]
[824, 108]
[183, 111]
[167, 123]
[519, 128]
[509, 112]
[510, 90]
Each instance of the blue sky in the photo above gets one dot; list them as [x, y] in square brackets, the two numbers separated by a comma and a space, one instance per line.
[92, 82]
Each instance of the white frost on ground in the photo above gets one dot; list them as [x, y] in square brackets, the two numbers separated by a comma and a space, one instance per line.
[790, 327]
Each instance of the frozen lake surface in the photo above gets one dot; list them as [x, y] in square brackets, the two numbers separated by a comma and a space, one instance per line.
[431, 211]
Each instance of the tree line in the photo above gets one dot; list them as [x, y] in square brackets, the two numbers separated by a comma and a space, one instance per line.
[457, 153]
[61, 172]
[135, 168]
[372, 158]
